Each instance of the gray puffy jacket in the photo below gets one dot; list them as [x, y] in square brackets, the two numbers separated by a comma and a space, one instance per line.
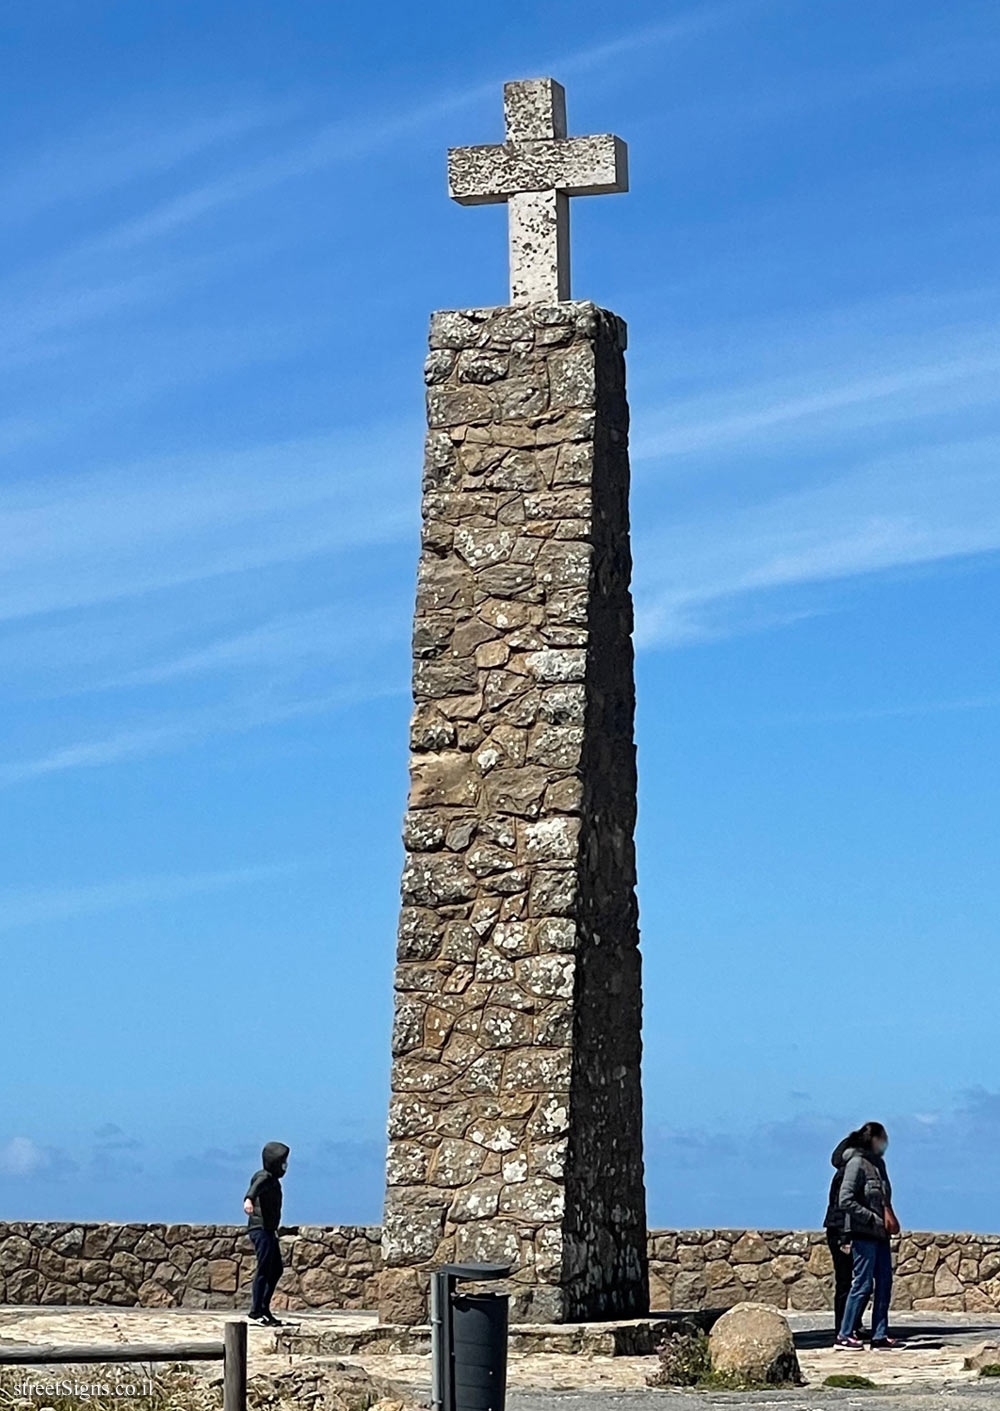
[865, 1192]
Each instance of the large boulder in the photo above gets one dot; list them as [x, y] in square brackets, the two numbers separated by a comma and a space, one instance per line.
[753, 1342]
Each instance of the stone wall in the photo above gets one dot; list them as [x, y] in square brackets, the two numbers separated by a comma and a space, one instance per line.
[193, 1266]
[515, 1122]
[792, 1269]
[210, 1266]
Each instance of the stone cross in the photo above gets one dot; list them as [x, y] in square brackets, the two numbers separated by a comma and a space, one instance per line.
[535, 171]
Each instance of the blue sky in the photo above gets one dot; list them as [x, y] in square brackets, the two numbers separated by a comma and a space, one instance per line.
[223, 227]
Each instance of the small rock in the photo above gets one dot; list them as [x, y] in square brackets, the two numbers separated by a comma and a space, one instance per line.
[984, 1354]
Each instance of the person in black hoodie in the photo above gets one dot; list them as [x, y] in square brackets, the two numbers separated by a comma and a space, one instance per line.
[840, 1245]
[262, 1204]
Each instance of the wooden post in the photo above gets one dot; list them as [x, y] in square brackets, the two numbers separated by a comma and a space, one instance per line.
[234, 1367]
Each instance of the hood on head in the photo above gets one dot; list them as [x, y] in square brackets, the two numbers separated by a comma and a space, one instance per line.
[840, 1153]
[274, 1156]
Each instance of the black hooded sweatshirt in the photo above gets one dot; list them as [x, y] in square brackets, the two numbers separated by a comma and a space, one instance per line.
[265, 1189]
[834, 1215]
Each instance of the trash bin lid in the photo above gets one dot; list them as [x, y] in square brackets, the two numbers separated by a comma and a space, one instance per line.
[476, 1271]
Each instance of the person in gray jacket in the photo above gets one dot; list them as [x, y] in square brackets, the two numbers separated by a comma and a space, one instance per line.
[838, 1243]
[869, 1221]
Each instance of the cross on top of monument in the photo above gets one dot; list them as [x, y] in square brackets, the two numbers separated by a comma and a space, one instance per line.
[535, 171]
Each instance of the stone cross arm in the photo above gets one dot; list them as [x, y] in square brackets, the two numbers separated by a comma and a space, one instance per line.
[535, 171]
[578, 166]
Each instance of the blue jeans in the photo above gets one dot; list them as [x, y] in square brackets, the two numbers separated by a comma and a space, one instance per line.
[872, 1266]
[269, 1269]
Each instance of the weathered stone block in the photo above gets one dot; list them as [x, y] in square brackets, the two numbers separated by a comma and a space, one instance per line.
[223, 1275]
[750, 1249]
[946, 1283]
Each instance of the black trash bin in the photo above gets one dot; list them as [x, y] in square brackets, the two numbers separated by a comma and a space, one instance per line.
[469, 1335]
[479, 1350]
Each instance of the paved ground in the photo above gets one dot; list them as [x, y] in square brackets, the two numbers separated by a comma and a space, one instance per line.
[935, 1348]
[965, 1399]
[926, 1376]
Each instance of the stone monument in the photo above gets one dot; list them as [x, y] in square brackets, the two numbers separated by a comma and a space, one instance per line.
[515, 1125]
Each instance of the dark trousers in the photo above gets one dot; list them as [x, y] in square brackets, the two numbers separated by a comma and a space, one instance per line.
[843, 1276]
[872, 1268]
[269, 1269]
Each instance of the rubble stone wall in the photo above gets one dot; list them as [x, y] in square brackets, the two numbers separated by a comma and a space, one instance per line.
[210, 1266]
[190, 1266]
[792, 1269]
[515, 1122]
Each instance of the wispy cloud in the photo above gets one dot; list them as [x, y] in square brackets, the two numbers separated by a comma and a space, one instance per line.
[76, 287]
[699, 19]
[969, 60]
[137, 528]
[320, 634]
[910, 508]
[782, 411]
[115, 1153]
[762, 484]
[361, 134]
[21, 1156]
[903, 711]
[182, 730]
[92, 162]
[32, 908]
[334, 144]
[172, 365]
[109, 749]
[110, 1132]
[31, 326]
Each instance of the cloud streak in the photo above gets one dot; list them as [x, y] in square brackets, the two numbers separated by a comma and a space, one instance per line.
[32, 908]
[700, 19]
[968, 61]
[350, 139]
[101, 160]
[74, 541]
[20, 1156]
[761, 488]
[903, 711]
[186, 730]
[780, 412]
[319, 635]
[900, 511]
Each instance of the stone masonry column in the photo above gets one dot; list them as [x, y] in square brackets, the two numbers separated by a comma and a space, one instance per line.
[515, 1125]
